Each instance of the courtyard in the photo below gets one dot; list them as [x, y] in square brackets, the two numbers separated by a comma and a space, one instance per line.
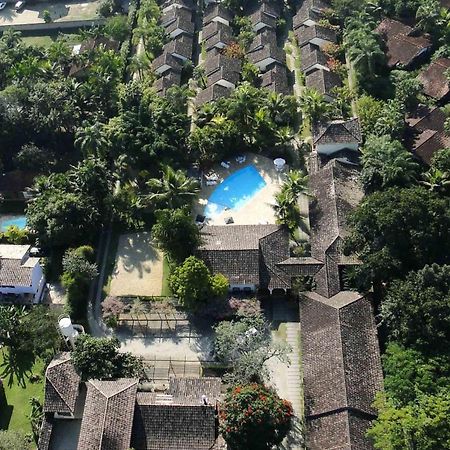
[139, 267]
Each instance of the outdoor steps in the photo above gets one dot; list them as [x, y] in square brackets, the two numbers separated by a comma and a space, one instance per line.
[159, 370]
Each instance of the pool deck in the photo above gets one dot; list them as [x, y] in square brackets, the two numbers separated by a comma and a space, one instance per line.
[259, 210]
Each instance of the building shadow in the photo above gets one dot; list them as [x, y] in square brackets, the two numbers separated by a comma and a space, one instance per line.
[5, 409]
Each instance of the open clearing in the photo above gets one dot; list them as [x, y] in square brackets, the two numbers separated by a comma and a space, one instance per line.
[138, 269]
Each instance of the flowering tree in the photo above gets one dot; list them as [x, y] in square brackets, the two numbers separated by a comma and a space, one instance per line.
[254, 416]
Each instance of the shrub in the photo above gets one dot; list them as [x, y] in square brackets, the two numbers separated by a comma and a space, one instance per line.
[254, 416]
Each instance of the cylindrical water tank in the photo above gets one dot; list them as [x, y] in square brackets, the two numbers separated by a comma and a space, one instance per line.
[66, 327]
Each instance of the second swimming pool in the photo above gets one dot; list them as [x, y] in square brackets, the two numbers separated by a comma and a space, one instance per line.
[235, 191]
[10, 220]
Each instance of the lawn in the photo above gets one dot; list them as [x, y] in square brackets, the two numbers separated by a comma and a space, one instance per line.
[47, 39]
[14, 415]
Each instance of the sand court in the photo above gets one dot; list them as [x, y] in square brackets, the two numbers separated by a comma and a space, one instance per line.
[138, 268]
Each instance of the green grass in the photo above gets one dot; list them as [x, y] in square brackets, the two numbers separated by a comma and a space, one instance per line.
[165, 290]
[14, 415]
[50, 37]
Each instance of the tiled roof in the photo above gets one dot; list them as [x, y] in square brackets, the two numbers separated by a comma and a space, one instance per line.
[61, 385]
[178, 419]
[178, 18]
[265, 12]
[211, 94]
[165, 82]
[402, 46]
[12, 273]
[267, 52]
[428, 126]
[217, 28]
[342, 430]
[266, 37]
[246, 254]
[323, 81]
[311, 55]
[309, 10]
[340, 354]
[181, 45]
[434, 80]
[167, 59]
[221, 67]
[187, 4]
[306, 34]
[276, 80]
[214, 10]
[108, 415]
[337, 131]
[336, 190]
[45, 433]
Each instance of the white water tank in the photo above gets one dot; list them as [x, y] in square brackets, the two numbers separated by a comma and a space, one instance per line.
[67, 329]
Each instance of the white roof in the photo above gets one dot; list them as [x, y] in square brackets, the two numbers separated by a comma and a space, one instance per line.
[9, 251]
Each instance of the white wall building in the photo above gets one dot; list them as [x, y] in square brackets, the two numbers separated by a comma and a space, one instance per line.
[20, 274]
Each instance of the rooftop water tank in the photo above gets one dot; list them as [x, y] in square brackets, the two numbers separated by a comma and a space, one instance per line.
[66, 327]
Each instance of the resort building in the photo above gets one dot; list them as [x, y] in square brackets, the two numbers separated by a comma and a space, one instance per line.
[276, 80]
[264, 51]
[216, 35]
[178, 21]
[310, 13]
[336, 135]
[341, 369]
[404, 48]
[22, 277]
[324, 82]
[434, 80]
[264, 15]
[222, 70]
[216, 12]
[212, 93]
[317, 35]
[168, 5]
[169, 79]
[427, 129]
[117, 414]
[313, 58]
[248, 255]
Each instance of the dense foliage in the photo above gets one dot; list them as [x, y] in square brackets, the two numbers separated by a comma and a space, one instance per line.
[100, 358]
[254, 417]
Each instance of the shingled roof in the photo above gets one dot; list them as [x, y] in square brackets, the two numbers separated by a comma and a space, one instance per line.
[307, 34]
[336, 190]
[165, 82]
[276, 80]
[220, 67]
[265, 13]
[323, 81]
[61, 385]
[166, 61]
[178, 19]
[311, 55]
[215, 10]
[434, 80]
[178, 419]
[211, 94]
[337, 131]
[108, 415]
[428, 127]
[215, 33]
[403, 46]
[181, 46]
[310, 10]
[247, 254]
[341, 368]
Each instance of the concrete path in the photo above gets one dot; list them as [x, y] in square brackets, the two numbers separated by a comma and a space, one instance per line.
[287, 378]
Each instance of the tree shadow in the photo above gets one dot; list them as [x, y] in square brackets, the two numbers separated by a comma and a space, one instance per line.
[16, 367]
[5, 410]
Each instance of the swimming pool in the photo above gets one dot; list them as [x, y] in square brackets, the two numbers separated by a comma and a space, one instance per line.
[11, 220]
[235, 191]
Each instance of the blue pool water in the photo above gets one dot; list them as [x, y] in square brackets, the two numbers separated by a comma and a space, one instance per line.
[235, 191]
[7, 221]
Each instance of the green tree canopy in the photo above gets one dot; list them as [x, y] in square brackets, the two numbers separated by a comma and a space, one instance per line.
[191, 282]
[99, 358]
[417, 310]
[386, 163]
[176, 233]
[399, 230]
[254, 417]
[246, 345]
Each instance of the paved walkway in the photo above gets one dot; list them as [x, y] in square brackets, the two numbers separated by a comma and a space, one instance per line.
[287, 378]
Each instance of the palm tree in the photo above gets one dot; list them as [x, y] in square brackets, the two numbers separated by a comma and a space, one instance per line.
[296, 183]
[285, 202]
[313, 105]
[428, 14]
[59, 52]
[91, 140]
[140, 64]
[436, 180]
[173, 190]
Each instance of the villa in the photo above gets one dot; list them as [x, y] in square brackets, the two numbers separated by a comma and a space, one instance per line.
[216, 12]
[169, 79]
[248, 255]
[212, 93]
[276, 80]
[264, 51]
[118, 414]
[312, 58]
[317, 35]
[404, 48]
[336, 135]
[324, 82]
[21, 275]
[216, 35]
[434, 80]
[310, 13]
[177, 22]
[222, 70]
[265, 15]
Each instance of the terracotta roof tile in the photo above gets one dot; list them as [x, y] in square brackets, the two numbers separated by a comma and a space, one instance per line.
[434, 80]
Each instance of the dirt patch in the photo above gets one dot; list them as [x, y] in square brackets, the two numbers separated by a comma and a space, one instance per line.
[138, 268]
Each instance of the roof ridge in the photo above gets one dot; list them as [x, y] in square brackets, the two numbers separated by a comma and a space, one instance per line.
[56, 389]
[112, 381]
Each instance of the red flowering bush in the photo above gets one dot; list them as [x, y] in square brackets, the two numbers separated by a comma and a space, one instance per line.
[254, 417]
